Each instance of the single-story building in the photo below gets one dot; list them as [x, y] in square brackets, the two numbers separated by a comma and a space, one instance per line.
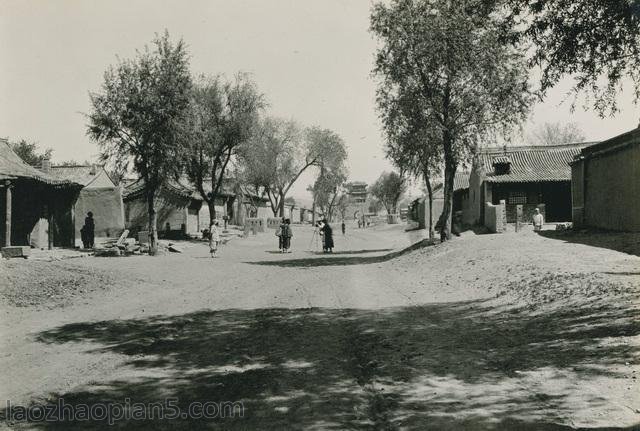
[181, 209]
[605, 184]
[418, 211]
[99, 194]
[531, 176]
[306, 215]
[36, 209]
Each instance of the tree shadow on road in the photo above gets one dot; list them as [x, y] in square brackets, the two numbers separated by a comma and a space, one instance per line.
[351, 257]
[625, 242]
[364, 251]
[457, 366]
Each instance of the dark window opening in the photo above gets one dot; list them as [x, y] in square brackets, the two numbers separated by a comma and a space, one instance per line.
[517, 198]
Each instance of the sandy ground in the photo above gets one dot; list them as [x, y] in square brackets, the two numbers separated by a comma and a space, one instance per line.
[511, 331]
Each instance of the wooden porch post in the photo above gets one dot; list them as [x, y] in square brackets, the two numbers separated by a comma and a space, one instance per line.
[73, 225]
[50, 227]
[7, 237]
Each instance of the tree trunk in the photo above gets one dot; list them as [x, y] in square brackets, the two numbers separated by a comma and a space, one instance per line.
[153, 222]
[272, 204]
[313, 210]
[447, 210]
[449, 167]
[332, 207]
[432, 231]
[281, 205]
[212, 211]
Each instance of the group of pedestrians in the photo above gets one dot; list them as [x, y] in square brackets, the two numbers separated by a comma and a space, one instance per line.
[284, 234]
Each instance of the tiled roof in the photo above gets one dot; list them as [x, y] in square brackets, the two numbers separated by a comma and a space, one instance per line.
[173, 189]
[179, 189]
[530, 164]
[501, 159]
[12, 166]
[461, 181]
[82, 174]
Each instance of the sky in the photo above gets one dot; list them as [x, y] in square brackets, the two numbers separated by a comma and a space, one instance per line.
[312, 59]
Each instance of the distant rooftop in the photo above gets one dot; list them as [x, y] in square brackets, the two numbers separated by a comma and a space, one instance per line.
[81, 174]
[12, 166]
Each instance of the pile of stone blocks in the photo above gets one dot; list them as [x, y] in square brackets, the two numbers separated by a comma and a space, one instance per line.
[16, 251]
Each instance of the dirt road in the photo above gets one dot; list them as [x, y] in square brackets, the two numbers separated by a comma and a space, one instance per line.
[512, 331]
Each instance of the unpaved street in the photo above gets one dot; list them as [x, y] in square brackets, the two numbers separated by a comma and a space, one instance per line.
[512, 331]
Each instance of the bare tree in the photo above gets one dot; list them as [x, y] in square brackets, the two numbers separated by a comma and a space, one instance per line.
[332, 170]
[279, 152]
[556, 134]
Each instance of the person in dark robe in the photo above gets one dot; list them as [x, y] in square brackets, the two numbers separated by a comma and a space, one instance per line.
[327, 237]
[287, 233]
[344, 227]
[87, 233]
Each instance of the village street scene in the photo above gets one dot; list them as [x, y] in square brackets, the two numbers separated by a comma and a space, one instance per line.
[337, 215]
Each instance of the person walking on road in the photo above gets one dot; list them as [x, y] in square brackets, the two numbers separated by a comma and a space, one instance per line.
[344, 227]
[214, 239]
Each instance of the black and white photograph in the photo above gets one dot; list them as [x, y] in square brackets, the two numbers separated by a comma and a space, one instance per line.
[320, 215]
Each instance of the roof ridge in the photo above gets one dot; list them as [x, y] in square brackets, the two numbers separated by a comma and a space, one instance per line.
[77, 166]
[12, 165]
[518, 148]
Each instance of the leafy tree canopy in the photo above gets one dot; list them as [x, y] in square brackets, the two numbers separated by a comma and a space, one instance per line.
[388, 189]
[595, 42]
[556, 134]
[456, 62]
[30, 153]
[222, 117]
[138, 115]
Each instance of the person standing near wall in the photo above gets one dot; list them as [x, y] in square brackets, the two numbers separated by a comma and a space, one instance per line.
[87, 233]
[538, 220]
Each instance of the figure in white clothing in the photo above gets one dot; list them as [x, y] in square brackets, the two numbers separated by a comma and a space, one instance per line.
[214, 239]
[538, 220]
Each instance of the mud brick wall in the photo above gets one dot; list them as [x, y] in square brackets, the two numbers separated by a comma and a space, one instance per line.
[612, 190]
[495, 217]
[527, 212]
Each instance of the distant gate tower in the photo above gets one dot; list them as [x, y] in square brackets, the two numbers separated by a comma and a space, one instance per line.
[358, 199]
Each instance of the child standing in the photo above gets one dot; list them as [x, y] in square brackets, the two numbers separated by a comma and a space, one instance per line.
[214, 239]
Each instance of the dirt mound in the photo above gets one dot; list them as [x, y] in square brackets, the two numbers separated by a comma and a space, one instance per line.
[50, 284]
[536, 289]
